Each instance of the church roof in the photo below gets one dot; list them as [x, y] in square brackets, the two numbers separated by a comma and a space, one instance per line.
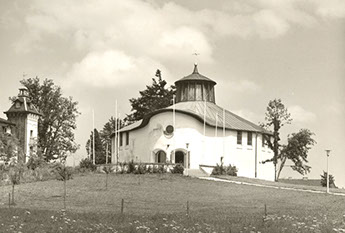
[196, 109]
[195, 76]
[25, 106]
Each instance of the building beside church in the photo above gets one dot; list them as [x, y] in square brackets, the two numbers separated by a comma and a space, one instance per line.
[22, 122]
[197, 133]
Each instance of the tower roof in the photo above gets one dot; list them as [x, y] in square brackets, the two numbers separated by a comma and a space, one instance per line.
[196, 76]
[23, 104]
[6, 122]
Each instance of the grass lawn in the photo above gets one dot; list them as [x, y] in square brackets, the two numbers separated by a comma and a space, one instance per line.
[158, 203]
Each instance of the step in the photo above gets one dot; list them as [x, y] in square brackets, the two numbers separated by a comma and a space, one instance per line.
[195, 173]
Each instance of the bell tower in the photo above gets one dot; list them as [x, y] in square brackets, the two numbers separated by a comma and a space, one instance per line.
[25, 116]
[195, 87]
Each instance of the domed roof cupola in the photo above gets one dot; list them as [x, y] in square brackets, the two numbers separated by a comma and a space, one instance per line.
[195, 87]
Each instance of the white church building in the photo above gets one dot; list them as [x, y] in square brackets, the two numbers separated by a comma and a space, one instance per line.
[197, 133]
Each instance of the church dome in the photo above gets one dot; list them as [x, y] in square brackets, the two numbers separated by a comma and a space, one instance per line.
[195, 87]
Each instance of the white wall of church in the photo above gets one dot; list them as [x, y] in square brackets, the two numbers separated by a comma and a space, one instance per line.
[208, 150]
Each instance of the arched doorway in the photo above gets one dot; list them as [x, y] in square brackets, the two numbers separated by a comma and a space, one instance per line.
[180, 157]
[160, 156]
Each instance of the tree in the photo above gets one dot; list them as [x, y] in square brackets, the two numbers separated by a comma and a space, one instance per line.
[276, 116]
[154, 97]
[15, 172]
[99, 149]
[63, 173]
[296, 150]
[298, 143]
[324, 180]
[9, 147]
[107, 170]
[106, 132]
[55, 127]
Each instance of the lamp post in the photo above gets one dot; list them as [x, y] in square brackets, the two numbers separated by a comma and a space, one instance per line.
[187, 159]
[327, 153]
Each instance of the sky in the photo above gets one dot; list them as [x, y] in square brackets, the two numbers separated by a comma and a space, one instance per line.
[100, 51]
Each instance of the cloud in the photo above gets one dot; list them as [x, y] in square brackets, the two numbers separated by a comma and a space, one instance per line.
[335, 108]
[331, 8]
[242, 85]
[112, 68]
[299, 114]
[144, 27]
[146, 34]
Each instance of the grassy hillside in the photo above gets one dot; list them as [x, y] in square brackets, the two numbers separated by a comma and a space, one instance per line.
[160, 203]
[309, 182]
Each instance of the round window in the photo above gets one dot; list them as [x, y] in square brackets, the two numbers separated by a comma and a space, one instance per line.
[169, 129]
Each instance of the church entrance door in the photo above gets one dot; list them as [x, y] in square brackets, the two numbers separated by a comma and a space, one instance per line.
[160, 157]
[179, 157]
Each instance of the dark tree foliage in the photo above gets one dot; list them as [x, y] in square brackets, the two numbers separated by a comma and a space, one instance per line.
[99, 149]
[87, 164]
[56, 126]
[105, 135]
[296, 151]
[154, 97]
[9, 147]
[324, 180]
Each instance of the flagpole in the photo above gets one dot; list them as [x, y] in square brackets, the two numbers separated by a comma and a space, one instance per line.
[216, 125]
[115, 139]
[174, 123]
[118, 137]
[223, 132]
[205, 118]
[106, 154]
[204, 139]
[93, 138]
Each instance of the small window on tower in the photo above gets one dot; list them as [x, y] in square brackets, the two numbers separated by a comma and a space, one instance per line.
[31, 133]
[17, 104]
[239, 137]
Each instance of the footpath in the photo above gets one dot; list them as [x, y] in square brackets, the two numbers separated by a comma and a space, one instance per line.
[269, 186]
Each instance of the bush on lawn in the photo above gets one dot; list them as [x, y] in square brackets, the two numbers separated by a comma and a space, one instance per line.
[87, 164]
[62, 172]
[131, 167]
[225, 170]
[177, 169]
[36, 160]
[324, 180]
[162, 169]
[231, 170]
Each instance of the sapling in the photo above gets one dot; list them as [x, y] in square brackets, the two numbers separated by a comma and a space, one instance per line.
[14, 175]
[107, 170]
[63, 174]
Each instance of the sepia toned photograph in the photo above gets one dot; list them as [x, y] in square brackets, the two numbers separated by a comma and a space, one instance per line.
[171, 116]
